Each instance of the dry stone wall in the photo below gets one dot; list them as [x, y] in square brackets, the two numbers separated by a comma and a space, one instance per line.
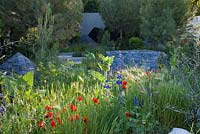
[147, 59]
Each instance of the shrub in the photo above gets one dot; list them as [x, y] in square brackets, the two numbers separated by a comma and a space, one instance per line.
[121, 16]
[161, 18]
[135, 43]
[91, 6]
[106, 41]
[25, 14]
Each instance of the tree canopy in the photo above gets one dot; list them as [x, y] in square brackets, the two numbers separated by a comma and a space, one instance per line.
[121, 15]
[19, 15]
[161, 18]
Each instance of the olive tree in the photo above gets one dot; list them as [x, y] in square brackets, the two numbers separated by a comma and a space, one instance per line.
[161, 18]
[121, 16]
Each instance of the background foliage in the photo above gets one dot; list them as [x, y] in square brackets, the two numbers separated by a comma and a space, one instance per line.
[161, 18]
[121, 16]
[91, 5]
[20, 16]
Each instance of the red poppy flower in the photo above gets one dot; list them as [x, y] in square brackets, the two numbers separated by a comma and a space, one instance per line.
[64, 109]
[80, 98]
[49, 115]
[95, 100]
[41, 124]
[85, 119]
[77, 116]
[47, 107]
[148, 73]
[123, 86]
[128, 114]
[72, 107]
[124, 82]
[58, 120]
[53, 124]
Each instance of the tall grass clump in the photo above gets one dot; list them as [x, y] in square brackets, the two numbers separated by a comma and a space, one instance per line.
[159, 95]
[185, 66]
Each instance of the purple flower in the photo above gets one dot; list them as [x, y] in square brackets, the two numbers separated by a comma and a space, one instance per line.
[107, 86]
[136, 101]
[119, 82]
[119, 76]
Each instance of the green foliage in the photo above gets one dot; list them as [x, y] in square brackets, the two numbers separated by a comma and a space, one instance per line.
[121, 15]
[21, 16]
[104, 63]
[68, 15]
[30, 41]
[29, 78]
[17, 15]
[156, 101]
[1, 26]
[185, 67]
[165, 99]
[45, 26]
[135, 43]
[59, 84]
[97, 75]
[39, 40]
[106, 41]
[90, 61]
[161, 18]
[24, 14]
[196, 7]
[75, 47]
[91, 6]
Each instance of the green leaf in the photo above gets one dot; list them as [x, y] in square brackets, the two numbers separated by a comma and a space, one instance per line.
[106, 62]
[97, 75]
[80, 78]
[29, 78]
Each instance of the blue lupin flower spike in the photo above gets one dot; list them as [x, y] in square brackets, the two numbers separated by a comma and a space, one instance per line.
[135, 101]
[107, 86]
[119, 76]
[119, 82]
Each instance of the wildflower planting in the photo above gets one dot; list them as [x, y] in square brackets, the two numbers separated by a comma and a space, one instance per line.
[74, 101]
[111, 88]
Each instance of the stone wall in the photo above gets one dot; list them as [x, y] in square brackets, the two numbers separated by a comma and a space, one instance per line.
[18, 63]
[146, 59]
